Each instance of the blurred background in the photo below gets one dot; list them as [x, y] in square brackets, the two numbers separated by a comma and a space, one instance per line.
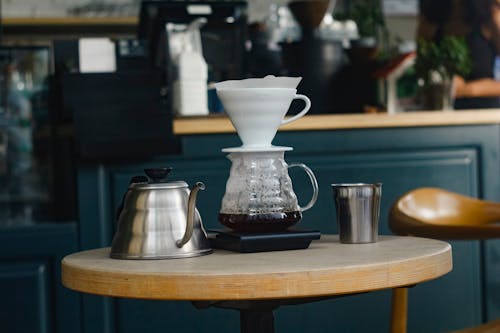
[54, 111]
[89, 90]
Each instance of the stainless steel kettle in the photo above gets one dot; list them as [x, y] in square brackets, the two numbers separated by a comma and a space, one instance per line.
[159, 220]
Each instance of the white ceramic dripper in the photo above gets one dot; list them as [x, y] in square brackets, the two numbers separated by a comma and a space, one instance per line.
[257, 107]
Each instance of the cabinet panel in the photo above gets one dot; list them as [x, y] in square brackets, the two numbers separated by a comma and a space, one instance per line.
[492, 278]
[19, 282]
[32, 296]
[137, 316]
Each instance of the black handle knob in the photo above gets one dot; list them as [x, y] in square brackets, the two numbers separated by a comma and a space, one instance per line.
[158, 175]
[138, 179]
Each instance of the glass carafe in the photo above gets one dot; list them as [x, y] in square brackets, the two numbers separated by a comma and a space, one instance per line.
[259, 194]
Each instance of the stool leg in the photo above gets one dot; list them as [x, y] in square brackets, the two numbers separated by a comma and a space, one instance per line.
[399, 310]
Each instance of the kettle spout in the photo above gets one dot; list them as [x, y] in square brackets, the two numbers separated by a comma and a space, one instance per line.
[190, 214]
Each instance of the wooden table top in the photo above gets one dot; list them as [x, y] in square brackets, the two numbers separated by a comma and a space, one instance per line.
[326, 268]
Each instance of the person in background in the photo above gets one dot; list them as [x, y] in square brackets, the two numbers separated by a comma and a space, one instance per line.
[479, 22]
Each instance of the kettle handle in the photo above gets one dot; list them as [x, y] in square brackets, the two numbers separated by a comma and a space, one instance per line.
[314, 184]
[190, 214]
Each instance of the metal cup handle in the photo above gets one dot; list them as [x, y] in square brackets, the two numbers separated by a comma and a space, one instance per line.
[314, 184]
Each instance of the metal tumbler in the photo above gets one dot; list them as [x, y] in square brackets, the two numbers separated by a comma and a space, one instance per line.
[358, 211]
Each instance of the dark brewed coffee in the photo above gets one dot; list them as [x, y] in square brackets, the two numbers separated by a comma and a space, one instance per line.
[268, 222]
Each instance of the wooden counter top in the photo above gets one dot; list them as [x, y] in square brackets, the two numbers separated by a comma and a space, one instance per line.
[221, 124]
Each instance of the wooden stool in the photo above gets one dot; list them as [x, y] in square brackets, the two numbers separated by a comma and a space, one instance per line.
[441, 214]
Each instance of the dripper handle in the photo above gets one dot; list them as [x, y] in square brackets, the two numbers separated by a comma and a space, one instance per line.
[314, 184]
[301, 113]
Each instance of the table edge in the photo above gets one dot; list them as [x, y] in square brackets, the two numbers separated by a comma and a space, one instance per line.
[246, 286]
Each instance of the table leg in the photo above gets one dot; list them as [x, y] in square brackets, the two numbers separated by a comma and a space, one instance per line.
[257, 321]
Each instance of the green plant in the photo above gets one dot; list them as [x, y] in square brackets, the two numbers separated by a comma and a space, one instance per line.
[367, 14]
[369, 17]
[445, 58]
[372, 29]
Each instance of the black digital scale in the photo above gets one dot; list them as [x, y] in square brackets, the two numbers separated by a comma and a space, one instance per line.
[293, 239]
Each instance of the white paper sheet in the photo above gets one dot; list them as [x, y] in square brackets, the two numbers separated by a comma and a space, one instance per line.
[97, 55]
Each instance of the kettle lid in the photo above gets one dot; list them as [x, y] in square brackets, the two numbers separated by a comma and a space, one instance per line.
[158, 186]
[157, 179]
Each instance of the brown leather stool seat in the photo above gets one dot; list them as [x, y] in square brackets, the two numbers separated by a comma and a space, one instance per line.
[441, 214]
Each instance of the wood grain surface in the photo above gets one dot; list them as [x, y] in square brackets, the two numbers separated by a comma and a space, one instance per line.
[221, 124]
[326, 268]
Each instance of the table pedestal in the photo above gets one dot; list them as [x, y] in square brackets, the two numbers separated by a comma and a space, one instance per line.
[252, 321]
[257, 316]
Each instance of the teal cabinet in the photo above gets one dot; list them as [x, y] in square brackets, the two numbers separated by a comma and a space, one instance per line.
[33, 298]
[465, 159]
[30, 281]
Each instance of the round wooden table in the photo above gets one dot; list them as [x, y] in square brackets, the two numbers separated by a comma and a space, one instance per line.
[257, 283]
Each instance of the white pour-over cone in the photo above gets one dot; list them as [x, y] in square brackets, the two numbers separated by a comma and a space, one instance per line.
[269, 81]
[257, 107]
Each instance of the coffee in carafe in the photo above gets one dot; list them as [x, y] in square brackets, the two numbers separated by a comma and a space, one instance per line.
[260, 222]
[259, 195]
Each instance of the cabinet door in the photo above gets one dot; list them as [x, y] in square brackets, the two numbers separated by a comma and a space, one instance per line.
[33, 299]
[24, 286]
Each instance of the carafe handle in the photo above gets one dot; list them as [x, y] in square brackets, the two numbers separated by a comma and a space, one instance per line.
[301, 113]
[314, 184]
